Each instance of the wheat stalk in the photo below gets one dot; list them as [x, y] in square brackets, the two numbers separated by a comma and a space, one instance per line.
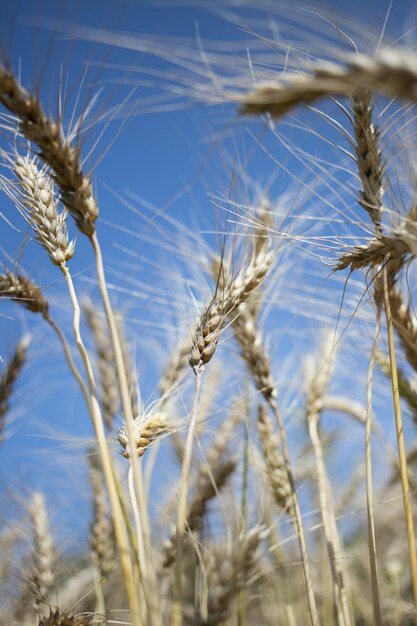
[211, 476]
[105, 363]
[317, 374]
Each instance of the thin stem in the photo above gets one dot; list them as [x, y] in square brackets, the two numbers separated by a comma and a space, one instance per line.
[100, 609]
[297, 516]
[400, 441]
[376, 602]
[143, 531]
[182, 507]
[106, 460]
[243, 503]
[75, 371]
[329, 524]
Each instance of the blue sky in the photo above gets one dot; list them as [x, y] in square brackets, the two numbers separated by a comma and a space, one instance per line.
[175, 161]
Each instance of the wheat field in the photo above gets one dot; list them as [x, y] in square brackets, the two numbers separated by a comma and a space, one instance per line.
[208, 373]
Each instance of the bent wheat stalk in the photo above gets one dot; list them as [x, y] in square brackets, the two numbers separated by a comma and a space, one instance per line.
[119, 525]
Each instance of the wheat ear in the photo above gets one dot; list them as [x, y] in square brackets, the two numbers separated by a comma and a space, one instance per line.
[405, 325]
[275, 468]
[61, 618]
[143, 530]
[22, 290]
[102, 530]
[230, 574]
[55, 150]
[119, 525]
[10, 374]
[391, 71]
[42, 560]
[34, 196]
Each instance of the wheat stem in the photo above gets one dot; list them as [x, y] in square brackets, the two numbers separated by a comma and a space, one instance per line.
[369, 493]
[143, 532]
[400, 442]
[329, 526]
[297, 515]
[243, 503]
[106, 460]
[176, 617]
